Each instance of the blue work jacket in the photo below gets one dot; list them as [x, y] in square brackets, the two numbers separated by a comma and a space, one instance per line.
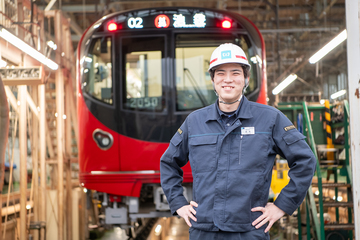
[232, 166]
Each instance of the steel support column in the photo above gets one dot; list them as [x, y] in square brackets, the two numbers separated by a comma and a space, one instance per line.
[353, 59]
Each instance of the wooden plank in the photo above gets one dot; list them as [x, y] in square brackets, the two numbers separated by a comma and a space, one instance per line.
[68, 147]
[35, 155]
[60, 126]
[32, 106]
[42, 156]
[48, 139]
[15, 209]
[23, 159]
[73, 109]
[14, 196]
[12, 99]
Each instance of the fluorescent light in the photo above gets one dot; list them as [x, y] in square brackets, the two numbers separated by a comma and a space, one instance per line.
[2, 63]
[328, 47]
[338, 94]
[284, 84]
[5, 34]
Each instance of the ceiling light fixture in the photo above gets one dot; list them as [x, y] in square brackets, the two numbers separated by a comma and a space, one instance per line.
[338, 94]
[20, 44]
[2, 63]
[284, 84]
[328, 47]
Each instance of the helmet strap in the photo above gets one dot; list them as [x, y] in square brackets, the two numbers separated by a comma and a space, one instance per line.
[245, 87]
[229, 103]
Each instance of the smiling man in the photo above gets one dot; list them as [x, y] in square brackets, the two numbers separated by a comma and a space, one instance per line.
[229, 81]
[231, 146]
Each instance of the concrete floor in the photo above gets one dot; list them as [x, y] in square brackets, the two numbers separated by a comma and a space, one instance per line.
[114, 234]
[164, 229]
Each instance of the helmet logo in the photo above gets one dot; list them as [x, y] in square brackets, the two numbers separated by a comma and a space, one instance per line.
[225, 54]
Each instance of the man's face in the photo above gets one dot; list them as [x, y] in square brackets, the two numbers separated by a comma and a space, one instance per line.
[229, 81]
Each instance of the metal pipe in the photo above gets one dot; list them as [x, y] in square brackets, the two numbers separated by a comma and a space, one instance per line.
[296, 30]
[319, 226]
[278, 37]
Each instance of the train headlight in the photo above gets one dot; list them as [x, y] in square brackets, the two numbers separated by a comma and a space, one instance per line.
[103, 139]
[112, 27]
[226, 24]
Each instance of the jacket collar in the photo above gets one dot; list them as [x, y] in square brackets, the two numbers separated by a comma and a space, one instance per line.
[243, 113]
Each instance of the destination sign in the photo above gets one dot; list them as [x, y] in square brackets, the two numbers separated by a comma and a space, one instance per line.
[181, 19]
[164, 21]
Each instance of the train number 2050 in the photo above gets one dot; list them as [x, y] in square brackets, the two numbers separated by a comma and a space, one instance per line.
[146, 102]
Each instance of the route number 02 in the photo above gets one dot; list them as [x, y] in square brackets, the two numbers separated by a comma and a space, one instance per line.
[135, 22]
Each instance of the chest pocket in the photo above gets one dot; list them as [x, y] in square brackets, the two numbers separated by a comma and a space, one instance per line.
[203, 153]
[254, 151]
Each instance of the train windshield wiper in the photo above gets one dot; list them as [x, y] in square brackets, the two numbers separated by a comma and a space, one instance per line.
[196, 87]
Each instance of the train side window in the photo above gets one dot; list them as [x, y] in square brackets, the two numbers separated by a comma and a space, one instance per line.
[142, 73]
[97, 70]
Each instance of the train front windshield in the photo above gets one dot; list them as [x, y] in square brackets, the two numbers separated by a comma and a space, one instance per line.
[143, 73]
[143, 70]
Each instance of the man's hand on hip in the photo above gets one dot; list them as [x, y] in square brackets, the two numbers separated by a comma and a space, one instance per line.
[187, 212]
[271, 213]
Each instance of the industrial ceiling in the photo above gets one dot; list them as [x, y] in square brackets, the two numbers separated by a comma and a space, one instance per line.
[293, 31]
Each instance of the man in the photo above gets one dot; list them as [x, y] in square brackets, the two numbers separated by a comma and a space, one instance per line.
[231, 146]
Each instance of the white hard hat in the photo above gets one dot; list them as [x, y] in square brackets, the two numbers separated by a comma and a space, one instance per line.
[228, 53]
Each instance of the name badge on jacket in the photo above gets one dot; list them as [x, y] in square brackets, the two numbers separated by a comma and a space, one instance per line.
[247, 130]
